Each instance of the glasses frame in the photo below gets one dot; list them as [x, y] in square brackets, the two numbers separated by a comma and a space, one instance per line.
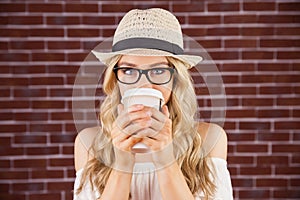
[172, 70]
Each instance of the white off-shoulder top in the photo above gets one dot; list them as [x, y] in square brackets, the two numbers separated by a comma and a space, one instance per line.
[144, 184]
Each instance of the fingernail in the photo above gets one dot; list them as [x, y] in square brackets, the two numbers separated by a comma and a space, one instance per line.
[148, 113]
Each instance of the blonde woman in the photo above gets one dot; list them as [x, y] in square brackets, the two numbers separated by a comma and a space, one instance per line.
[185, 159]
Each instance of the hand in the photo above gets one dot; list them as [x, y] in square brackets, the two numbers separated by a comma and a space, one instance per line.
[158, 137]
[125, 126]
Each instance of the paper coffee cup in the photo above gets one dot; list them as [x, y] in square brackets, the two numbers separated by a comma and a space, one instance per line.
[147, 97]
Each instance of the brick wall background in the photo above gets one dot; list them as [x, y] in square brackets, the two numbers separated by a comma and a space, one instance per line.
[255, 45]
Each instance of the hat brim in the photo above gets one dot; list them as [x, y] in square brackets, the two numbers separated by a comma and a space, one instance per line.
[191, 60]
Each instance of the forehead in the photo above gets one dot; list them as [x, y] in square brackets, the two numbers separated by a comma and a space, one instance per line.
[142, 60]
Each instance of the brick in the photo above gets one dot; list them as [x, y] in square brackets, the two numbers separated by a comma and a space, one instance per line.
[14, 81]
[275, 90]
[191, 7]
[47, 81]
[11, 151]
[242, 182]
[238, 19]
[59, 162]
[47, 174]
[287, 171]
[287, 193]
[265, 136]
[214, 43]
[15, 104]
[255, 170]
[14, 175]
[263, 6]
[279, 43]
[292, 148]
[240, 90]
[44, 127]
[257, 193]
[223, 7]
[223, 31]
[240, 43]
[288, 101]
[12, 196]
[76, 7]
[15, 7]
[46, 32]
[257, 102]
[275, 113]
[99, 20]
[30, 93]
[116, 8]
[257, 55]
[240, 113]
[77, 56]
[61, 92]
[28, 139]
[15, 32]
[48, 196]
[60, 69]
[28, 187]
[83, 33]
[288, 6]
[61, 116]
[272, 160]
[63, 45]
[45, 7]
[258, 79]
[288, 55]
[28, 69]
[42, 150]
[242, 160]
[278, 19]
[14, 57]
[24, 20]
[254, 125]
[204, 20]
[30, 163]
[275, 182]
[252, 148]
[48, 57]
[54, 186]
[241, 137]
[65, 138]
[246, 31]
[13, 128]
[287, 31]
[63, 20]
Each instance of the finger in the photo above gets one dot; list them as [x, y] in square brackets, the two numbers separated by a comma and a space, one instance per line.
[125, 118]
[129, 143]
[165, 111]
[133, 128]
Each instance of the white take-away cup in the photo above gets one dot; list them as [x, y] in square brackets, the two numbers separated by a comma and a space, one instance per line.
[147, 97]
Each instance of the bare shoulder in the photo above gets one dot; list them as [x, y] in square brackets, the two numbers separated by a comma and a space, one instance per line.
[82, 146]
[214, 139]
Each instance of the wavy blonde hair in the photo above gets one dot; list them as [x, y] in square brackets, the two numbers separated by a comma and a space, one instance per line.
[187, 142]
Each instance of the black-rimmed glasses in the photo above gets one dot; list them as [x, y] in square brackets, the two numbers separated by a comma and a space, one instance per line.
[156, 75]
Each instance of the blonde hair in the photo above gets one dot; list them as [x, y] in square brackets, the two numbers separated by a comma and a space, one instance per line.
[187, 142]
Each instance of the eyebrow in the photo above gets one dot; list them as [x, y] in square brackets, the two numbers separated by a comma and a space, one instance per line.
[134, 65]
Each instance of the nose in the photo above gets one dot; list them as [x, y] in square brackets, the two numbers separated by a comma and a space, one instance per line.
[144, 82]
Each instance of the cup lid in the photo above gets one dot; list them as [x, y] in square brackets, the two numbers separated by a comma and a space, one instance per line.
[143, 92]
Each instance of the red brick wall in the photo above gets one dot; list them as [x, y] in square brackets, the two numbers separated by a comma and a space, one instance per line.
[254, 43]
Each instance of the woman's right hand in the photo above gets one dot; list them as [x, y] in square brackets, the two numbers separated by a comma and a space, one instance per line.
[128, 122]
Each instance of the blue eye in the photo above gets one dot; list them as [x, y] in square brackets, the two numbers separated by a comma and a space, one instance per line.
[129, 71]
[158, 71]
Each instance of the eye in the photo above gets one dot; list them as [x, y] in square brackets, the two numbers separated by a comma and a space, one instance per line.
[129, 71]
[158, 71]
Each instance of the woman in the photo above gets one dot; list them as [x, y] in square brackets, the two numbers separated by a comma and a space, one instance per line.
[186, 159]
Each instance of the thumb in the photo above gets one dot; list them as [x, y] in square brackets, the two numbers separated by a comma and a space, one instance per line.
[165, 111]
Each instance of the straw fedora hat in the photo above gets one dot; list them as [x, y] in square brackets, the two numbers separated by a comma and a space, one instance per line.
[150, 32]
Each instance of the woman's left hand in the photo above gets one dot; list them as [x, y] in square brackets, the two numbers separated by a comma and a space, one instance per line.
[158, 137]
